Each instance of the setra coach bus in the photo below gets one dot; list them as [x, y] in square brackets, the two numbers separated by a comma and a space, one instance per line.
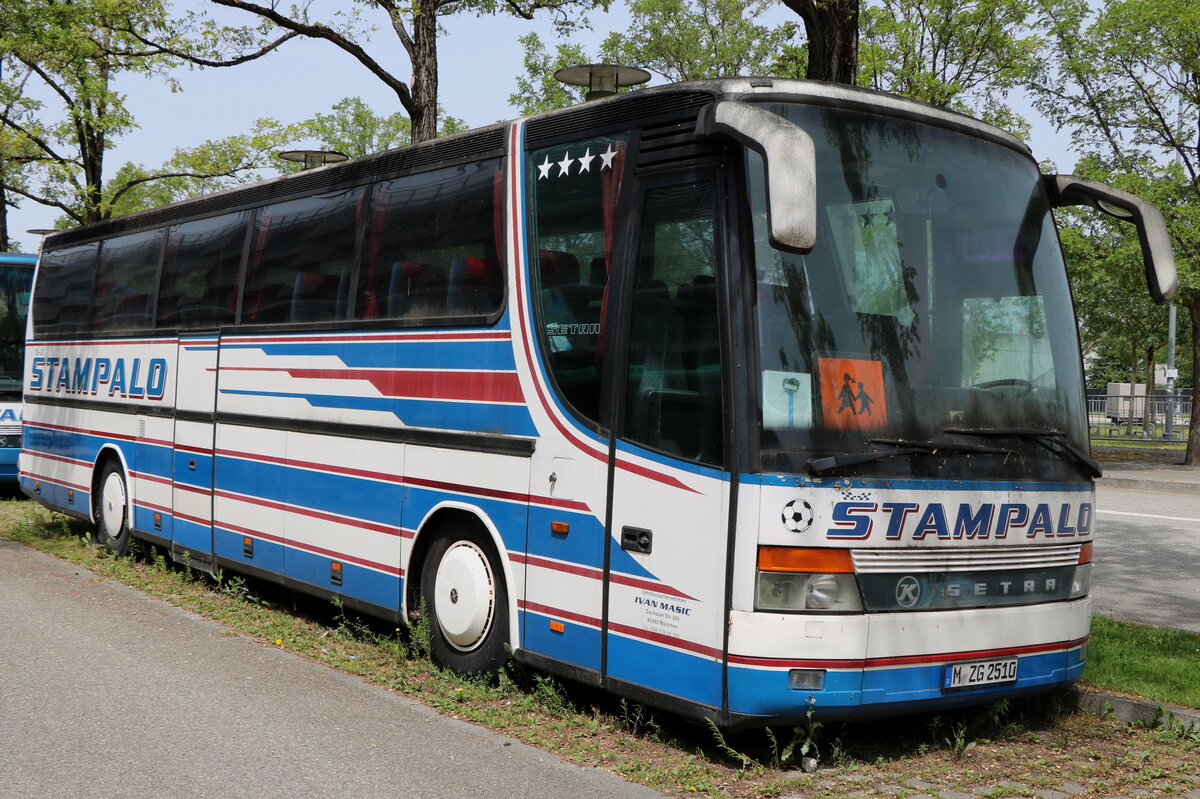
[742, 398]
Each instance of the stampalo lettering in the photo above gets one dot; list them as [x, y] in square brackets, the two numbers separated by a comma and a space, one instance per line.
[912, 521]
[127, 378]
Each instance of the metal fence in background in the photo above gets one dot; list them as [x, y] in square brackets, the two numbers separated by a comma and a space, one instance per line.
[1157, 416]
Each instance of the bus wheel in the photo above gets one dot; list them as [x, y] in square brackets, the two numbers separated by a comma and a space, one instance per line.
[112, 517]
[466, 602]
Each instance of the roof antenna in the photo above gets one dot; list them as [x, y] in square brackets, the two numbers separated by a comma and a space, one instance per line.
[602, 80]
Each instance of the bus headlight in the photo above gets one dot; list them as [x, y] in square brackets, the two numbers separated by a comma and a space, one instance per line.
[788, 580]
[1081, 584]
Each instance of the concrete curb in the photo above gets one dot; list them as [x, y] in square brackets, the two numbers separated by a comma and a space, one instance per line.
[1132, 710]
[1145, 483]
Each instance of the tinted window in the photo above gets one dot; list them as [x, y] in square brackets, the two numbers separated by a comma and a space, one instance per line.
[302, 259]
[673, 400]
[64, 291]
[573, 192]
[126, 280]
[432, 247]
[200, 271]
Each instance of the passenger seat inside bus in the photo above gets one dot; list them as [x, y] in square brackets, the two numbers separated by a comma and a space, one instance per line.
[475, 287]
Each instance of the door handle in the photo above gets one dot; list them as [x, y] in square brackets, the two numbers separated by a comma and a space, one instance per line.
[637, 539]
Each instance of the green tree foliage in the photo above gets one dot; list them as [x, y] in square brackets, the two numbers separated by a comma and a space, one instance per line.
[414, 25]
[694, 39]
[353, 128]
[203, 169]
[1126, 83]
[965, 56]
[68, 56]
[537, 89]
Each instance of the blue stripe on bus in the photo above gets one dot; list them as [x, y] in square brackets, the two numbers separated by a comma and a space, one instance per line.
[692, 677]
[766, 692]
[483, 354]
[188, 535]
[578, 644]
[360, 582]
[905, 484]
[444, 415]
[268, 555]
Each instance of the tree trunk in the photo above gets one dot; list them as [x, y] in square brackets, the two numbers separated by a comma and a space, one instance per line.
[1192, 456]
[425, 72]
[832, 29]
[4, 243]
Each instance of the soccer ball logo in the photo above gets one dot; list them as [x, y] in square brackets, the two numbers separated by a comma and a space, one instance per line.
[797, 516]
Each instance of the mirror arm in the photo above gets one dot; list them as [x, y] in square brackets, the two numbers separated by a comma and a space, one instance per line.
[1157, 255]
[790, 158]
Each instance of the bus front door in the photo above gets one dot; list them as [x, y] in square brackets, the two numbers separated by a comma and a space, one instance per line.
[670, 495]
[192, 492]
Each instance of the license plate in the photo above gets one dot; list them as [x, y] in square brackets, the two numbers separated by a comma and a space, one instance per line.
[988, 672]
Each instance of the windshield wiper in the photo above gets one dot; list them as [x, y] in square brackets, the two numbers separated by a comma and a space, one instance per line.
[1052, 440]
[896, 447]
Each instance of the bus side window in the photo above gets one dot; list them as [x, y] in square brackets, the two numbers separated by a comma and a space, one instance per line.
[200, 272]
[126, 279]
[431, 247]
[64, 291]
[573, 195]
[301, 259]
[673, 393]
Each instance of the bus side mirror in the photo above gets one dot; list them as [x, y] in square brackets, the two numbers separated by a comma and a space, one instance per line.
[791, 167]
[1157, 256]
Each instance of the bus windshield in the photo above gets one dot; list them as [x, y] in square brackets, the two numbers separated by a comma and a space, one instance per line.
[14, 307]
[932, 316]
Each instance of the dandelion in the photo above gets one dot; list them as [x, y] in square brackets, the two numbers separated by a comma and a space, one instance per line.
[278, 642]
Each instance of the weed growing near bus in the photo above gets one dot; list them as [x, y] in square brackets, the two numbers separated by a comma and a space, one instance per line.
[1006, 749]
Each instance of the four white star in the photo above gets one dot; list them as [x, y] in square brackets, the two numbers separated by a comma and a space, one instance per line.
[607, 157]
[585, 163]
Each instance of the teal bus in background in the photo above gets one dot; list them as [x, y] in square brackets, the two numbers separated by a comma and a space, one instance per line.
[16, 276]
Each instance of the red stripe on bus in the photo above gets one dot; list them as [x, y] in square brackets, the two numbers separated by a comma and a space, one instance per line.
[659, 638]
[490, 335]
[54, 481]
[905, 660]
[597, 574]
[558, 613]
[329, 553]
[312, 513]
[476, 386]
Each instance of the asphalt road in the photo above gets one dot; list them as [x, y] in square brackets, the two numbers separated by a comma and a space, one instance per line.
[1147, 556]
[106, 693]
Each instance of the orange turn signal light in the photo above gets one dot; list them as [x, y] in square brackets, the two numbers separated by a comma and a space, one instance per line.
[804, 559]
[1085, 553]
[558, 627]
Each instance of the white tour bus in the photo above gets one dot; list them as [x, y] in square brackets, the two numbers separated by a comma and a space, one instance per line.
[740, 398]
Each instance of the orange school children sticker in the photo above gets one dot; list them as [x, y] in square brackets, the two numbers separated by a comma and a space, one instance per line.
[852, 394]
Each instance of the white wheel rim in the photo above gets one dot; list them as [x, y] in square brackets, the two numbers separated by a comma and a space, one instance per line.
[464, 595]
[112, 505]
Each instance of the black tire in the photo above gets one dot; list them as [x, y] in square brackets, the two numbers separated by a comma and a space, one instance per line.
[112, 510]
[466, 600]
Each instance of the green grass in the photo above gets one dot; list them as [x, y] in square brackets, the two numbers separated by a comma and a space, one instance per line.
[1157, 663]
